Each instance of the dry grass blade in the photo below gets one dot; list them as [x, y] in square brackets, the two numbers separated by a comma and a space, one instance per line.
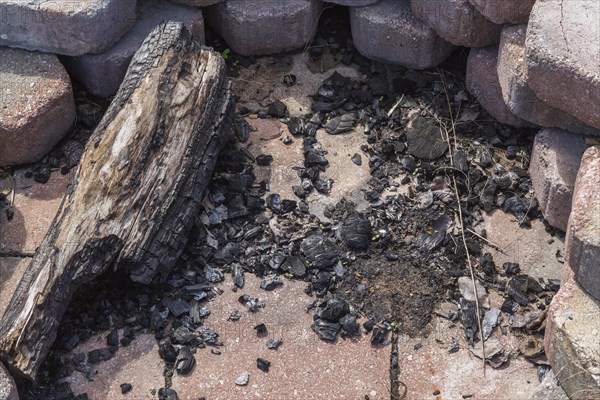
[460, 213]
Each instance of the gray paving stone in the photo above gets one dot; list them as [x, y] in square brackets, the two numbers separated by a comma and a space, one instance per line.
[504, 11]
[517, 93]
[571, 340]
[555, 160]
[102, 74]
[583, 233]
[389, 32]
[36, 105]
[69, 27]
[457, 21]
[8, 389]
[482, 82]
[254, 27]
[563, 57]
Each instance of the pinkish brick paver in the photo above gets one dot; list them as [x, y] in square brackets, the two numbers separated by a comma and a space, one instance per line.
[36, 105]
[516, 87]
[583, 233]
[482, 82]
[571, 339]
[457, 21]
[265, 27]
[34, 209]
[504, 11]
[563, 61]
[303, 367]
[102, 74]
[389, 32]
[555, 160]
[69, 27]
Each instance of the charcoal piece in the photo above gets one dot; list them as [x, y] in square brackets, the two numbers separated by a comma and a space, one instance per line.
[323, 186]
[264, 160]
[487, 264]
[343, 123]
[507, 181]
[167, 394]
[176, 306]
[217, 216]
[427, 242]
[520, 285]
[271, 282]
[71, 342]
[322, 282]
[167, 351]
[510, 268]
[263, 364]
[554, 284]
[80, 364]
[183, 335]
[294, 266]
[460, 160]
[273, 344]
[237, 273]
[278, 109]
[213, 275]
[323, 106]
[313, 158]
[379, 337]
[209, 335]
[279, 206]
[289, 80]
[320, 251]
[483, 157]
[242, 129]
[185, 361]
[299, 191]
[326, 330]
[468, 317]
[125, 388]
[509, 306]
[243, 379]
[261, 330]
[295, 126]
[234, 315]
[42, 173]
[408, 163]
[356, 232]
[454, 346]
[356, 159]
[249, 301]
[287, 140]
[228, 253]
[334, 310]
[350, 327]
[253, 232]
[519, 206]
[73, 151]
[425, 139]
[369, 324]
[487, 195]
[112, 339]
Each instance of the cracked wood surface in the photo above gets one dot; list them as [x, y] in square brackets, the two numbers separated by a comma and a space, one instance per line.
[136, 191]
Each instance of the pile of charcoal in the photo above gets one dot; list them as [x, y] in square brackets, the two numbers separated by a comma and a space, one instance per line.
[390, 265]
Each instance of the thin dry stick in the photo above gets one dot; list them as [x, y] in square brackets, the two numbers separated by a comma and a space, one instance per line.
[494, 245]
[460, 216]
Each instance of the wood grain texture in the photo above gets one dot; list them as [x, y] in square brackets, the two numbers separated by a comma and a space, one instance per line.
[136, 191]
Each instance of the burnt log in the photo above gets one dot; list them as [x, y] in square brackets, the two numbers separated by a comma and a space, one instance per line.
[136, 191]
